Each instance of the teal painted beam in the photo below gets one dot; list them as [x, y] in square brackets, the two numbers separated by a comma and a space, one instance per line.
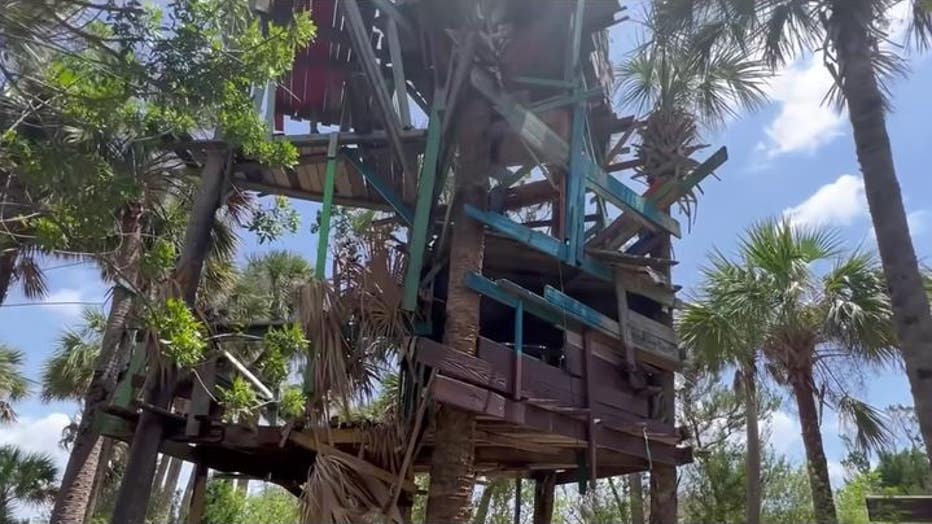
[581, 312]
[496, 292]
[535, 239]
[540, 241]
[323, 234]
[558, 102]
[422, 211]
[380, 186]
[609, 188]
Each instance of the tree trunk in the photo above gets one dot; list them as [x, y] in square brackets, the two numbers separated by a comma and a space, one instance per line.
[100, 477]
[136, 488]
[451, 470]
[544, 487]
[620, 505]
[7, 267]
[482, 508]
[911, 315]
[752, 459]
[77, 482]
[637, 498]
[816, 463]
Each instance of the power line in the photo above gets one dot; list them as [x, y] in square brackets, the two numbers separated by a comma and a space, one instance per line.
[26, 304]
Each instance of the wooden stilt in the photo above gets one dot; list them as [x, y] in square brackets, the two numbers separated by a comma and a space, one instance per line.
[518, 500]
[544, 485]
[198, 494]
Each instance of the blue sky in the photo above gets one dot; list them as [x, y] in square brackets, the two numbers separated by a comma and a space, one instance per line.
[793, 157]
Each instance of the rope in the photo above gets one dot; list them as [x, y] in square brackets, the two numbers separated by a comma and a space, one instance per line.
[650, 460]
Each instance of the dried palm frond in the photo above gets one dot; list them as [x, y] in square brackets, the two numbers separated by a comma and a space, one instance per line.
[323, 317]
[336, 492]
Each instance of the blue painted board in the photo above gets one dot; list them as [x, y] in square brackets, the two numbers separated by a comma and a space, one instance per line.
[380, 186]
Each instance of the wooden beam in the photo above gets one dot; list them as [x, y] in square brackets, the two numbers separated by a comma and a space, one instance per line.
[916, 508]
[198, 494]
[422, 211]
[323, 234]
[398, 71]
[460, 365]
[625, 226]
[360, 37]
[380, 186]
[487, 403]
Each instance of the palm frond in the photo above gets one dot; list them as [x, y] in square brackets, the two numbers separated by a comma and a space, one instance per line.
[14, 386]
[858, 313]
[869, 424]
[31, 276]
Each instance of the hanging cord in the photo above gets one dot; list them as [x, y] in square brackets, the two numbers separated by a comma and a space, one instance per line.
[650, 460]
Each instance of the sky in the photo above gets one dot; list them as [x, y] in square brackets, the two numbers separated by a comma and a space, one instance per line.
[793, 158]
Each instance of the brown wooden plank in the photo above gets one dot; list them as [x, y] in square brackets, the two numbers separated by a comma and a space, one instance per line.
[900, 508]
[460, 365]
[481, 401]
[542, 381]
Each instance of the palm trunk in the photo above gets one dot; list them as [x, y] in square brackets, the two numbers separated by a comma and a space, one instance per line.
[136, 488]
[77, 481]
[752, 459]
[451, 470]
[637, 498]
[620, 505]
[816, 463]
[911, 315]
[485, 500]
[100, 477]
[7, 266]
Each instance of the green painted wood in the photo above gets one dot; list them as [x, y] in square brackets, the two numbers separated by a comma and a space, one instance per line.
[422, 211]
[581, 312]
[323, 234]
[622, 196]
[540, 241]
[381, 187]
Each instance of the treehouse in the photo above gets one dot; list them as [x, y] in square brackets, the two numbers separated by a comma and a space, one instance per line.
[571, 375]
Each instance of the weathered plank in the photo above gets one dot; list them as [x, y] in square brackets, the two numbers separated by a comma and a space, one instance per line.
[627, 226]
[460, 365]
[900, 508]
[484, 402]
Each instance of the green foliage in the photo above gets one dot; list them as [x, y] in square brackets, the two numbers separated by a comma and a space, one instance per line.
[25, 478]
[67, 373]
[905, 472]
[849, 500]
[269, 223]
[224, 503]
[227, 505]
[13, 383]
[281, 345]
[272, 505]
[239, 401]
[292, 403]
[158, 259]
[181, 335]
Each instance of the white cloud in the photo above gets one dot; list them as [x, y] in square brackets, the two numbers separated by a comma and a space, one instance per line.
[784, 432]
[803, 123]
[37, 435]
[918, 221]
[66, 302]
[836, 474]
[838, 204]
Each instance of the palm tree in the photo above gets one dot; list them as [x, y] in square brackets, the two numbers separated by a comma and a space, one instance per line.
[13, 383]
[813, 330]
[67, 373]
[685, 80]
[268, 285]
[25, 478]
[714, 341]
[851, 37]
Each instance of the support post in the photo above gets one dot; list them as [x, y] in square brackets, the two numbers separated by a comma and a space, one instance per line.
[198, 494]
[519, 350]
[575, 212]
[518, 500]
[590, 419]
[544, 486]
[422, 210]
[398, 72]
[136, 487]
[323, 234]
